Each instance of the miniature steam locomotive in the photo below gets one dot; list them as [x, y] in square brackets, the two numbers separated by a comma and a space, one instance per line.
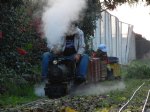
[61, 75]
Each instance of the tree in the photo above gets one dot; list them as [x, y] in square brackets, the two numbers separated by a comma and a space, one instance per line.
[93, 12]
[95, 7]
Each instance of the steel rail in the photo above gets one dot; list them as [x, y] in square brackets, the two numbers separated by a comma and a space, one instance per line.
[146, 101]
[131, 97]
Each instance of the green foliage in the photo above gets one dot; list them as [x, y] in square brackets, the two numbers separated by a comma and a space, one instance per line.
[8, 79]
[119, 96]
[19, 32]
[10, 3]
[138, 69]
[14, 89]
[20, 48]
[94, 9]
[11, 81]
[92, 13]
[7, 101]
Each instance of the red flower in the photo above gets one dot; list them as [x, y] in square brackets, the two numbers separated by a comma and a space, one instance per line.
[21, 51]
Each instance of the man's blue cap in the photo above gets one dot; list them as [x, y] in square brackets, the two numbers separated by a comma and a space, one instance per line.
[102, 47]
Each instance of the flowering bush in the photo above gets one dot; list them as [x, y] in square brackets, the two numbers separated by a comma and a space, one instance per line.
[20, 43]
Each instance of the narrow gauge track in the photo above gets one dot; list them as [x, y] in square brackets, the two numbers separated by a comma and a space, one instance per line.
[139, 101]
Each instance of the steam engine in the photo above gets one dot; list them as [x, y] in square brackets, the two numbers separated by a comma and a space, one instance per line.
[61, 74]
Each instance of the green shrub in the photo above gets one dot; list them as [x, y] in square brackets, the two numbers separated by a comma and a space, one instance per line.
[138, 69]
[21, 46]
[20, 43]
[17, 84]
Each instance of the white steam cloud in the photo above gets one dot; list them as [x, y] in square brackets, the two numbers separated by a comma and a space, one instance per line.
[39, 89]
[58, 15]
[98, 88]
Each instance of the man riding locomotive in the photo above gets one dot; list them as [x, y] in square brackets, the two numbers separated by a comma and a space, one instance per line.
[72, 46]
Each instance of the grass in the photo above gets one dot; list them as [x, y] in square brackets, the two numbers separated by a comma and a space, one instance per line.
[17, 96]
[118, 96]
[18, 90]
[12, 101]
[139, 69]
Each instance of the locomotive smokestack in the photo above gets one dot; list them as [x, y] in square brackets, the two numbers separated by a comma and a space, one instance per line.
[58, 16]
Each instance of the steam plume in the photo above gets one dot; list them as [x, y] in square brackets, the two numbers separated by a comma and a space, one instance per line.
[58, 15]
[99, 88]
[39, 89]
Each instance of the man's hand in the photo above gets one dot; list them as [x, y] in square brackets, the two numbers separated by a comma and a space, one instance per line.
[77, 57]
